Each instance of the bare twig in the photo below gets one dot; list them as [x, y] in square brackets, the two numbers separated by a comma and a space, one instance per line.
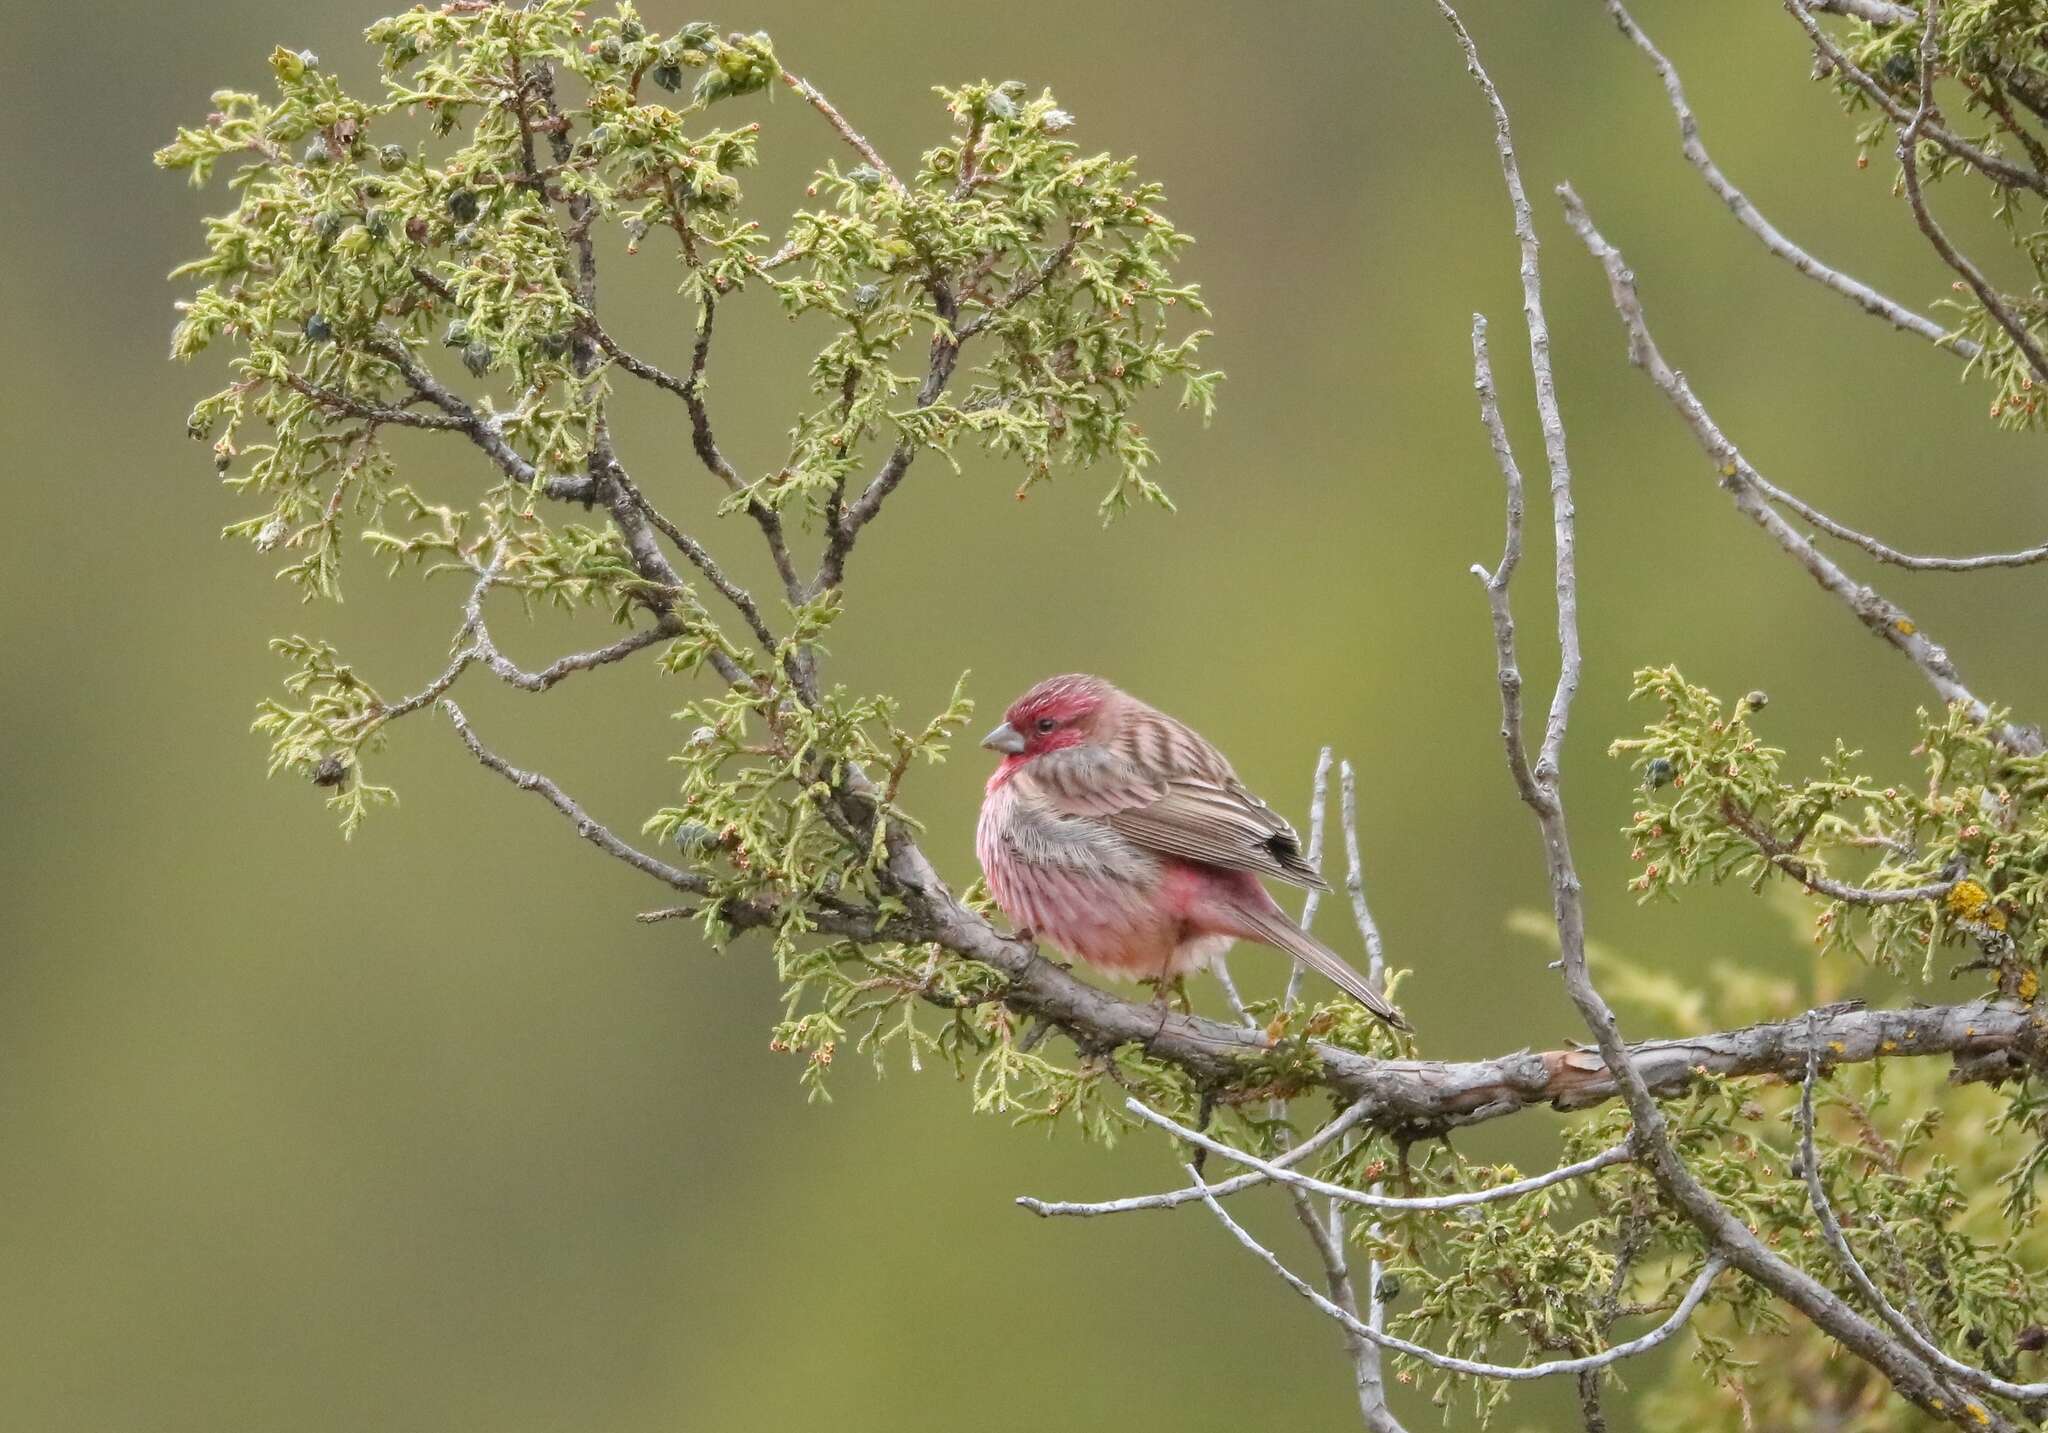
[1746, 214]
[1326, 1229]
[630, 516]
[1508, 671]
[1326, 1235]
[1563, 515]
[847, 523]
[1618, 1154]
[472, 643]
[1354, 882]
[354, 406]
[1316, 1142]
[1319, 801]
[475, 644]
[425, 696]
[588, 828]
[553, 672]
[651, 373]
[1885, 552]
[816, 99]
[1279, 1170]
[702, 439]
[694, 552]
[1877, 613]
[854, 923]
[1365, 1354]
[1877, 12]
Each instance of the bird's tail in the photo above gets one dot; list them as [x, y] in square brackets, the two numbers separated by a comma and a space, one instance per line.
[1275, 929]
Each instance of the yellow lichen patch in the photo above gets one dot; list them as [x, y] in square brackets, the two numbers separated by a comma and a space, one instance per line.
[1838, 1047]
[2029, 986]
[1966, 900]
[1904, 627]
[1887, 1046]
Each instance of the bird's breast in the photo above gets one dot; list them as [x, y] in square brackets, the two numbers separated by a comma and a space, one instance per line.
[1017, 825]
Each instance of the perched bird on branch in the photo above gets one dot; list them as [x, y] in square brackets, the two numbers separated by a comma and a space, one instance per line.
[1123, 838]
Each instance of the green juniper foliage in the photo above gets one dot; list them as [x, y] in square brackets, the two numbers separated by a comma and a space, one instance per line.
[1936, 1185]
[1939, 1190]
[425, 258]
[1973, 829]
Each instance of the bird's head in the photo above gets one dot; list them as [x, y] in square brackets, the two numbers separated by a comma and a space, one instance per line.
[1057, 713]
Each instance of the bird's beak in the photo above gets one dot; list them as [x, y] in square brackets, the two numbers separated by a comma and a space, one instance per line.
[1006, 739]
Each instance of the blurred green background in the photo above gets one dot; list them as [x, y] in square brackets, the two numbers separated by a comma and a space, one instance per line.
[423, 1132]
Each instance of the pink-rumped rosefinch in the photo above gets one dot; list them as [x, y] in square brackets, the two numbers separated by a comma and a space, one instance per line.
[1122, 837]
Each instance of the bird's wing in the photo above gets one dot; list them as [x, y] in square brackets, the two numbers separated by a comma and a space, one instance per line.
[1220, 824]
[1169, 791]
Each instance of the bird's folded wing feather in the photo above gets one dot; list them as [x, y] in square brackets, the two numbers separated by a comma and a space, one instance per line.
[1219, 826]
[1203, 813]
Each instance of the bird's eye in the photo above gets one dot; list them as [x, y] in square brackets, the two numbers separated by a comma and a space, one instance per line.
[1045, 724]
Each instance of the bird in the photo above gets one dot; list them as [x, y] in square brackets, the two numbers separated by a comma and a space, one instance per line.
[1119, 835]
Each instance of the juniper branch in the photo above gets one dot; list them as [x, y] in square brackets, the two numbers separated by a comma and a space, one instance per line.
[1989, 165]
[482, 429]
[1845, 1257]
[1514, 1373]
[1785, 856]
